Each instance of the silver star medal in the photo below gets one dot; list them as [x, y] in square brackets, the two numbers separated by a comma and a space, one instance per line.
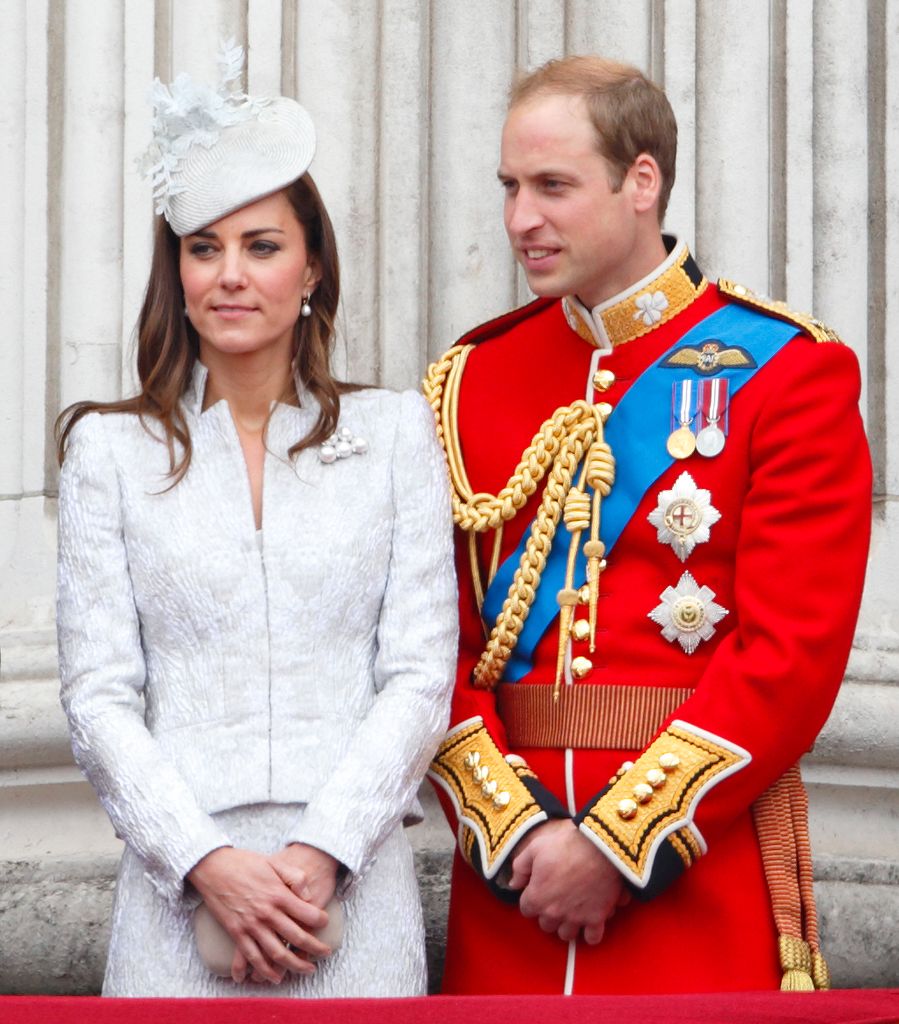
[687, 613]
[684, 516]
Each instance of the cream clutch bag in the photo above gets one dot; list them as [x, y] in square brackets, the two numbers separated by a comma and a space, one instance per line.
[216, 947]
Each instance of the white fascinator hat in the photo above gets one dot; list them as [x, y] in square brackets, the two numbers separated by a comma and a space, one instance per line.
[215, 150]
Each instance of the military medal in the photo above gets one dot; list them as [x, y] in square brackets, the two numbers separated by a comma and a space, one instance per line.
[713, 406]
[681, 441]
[688, 613]
[710, 441]
[684, 516]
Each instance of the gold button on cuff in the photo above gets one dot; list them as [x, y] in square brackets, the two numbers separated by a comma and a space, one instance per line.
[501, 800]
[489, 788]
[627, 809]
[656, 777]
[583, 594]
[642, 792]
[603, 380]
[669, 761]
[581, 667]
[472, 758]
[480, 774]
[580, 630]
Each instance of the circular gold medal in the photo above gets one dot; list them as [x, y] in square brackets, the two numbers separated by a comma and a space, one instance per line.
[681, 443]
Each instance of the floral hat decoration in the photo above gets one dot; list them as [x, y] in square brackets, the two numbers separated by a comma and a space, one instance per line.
[216, 150]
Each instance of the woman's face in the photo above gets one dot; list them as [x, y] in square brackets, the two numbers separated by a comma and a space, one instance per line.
[244, 278]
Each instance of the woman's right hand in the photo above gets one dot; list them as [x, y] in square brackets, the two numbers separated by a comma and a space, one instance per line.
[257, 908]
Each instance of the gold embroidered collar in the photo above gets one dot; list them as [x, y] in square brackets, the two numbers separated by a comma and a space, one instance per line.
[653, 301]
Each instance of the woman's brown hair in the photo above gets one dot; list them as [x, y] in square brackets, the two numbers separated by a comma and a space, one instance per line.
[168, 345]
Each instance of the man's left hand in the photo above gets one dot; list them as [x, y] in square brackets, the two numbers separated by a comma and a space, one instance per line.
[566, 882]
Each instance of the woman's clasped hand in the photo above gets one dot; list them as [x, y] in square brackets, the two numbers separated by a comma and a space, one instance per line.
[270, 906]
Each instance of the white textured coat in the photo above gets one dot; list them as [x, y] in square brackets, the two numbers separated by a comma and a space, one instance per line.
[200, 673]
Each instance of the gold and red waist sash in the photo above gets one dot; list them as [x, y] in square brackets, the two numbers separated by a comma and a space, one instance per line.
[599, 717]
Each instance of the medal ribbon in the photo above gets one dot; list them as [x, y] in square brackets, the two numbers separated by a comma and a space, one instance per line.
[683, 402]
[713, 400]
[638, 425]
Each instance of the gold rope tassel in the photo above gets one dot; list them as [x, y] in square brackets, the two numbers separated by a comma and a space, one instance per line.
[554, 453]
[600, 474]
[799, 805]
[523, 589]
[781, 821]
[796, 962]
[582, 513]
[577, 519]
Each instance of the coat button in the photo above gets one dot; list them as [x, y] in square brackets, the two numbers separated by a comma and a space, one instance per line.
[627, 809]
[581, 629]
[581, 667]
[603, 380]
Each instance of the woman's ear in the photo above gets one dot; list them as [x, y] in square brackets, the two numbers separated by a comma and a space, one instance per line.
[312, 277]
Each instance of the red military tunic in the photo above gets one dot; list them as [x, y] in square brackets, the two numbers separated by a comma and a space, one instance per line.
[785, 560]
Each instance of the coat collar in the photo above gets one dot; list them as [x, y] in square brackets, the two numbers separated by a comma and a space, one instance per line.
[647, 304]
[196, 391]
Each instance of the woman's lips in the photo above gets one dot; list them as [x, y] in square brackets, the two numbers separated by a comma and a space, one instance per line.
[233, 312]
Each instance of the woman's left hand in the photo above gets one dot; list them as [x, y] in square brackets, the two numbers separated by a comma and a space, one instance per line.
[309, 873]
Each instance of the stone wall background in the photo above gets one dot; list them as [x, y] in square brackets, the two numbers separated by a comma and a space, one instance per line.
[788, 180]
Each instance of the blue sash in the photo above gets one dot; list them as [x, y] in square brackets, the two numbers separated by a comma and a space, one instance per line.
[638, 428]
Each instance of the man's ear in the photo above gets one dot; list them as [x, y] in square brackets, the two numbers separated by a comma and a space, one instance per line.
[645, 181]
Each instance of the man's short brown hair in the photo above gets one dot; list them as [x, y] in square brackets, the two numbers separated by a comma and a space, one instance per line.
[630, 114]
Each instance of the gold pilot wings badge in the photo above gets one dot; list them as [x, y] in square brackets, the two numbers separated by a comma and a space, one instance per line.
[708, 358]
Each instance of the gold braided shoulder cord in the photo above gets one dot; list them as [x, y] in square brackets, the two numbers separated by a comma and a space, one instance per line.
[559, 446]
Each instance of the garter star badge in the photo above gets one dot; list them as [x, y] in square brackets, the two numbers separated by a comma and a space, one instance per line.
[687, 613]
[684, 516]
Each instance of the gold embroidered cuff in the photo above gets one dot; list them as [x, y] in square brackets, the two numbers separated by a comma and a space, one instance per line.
[492, 803]
[655, 799]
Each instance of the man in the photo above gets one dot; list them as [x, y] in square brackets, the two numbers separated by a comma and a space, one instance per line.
[663, 492]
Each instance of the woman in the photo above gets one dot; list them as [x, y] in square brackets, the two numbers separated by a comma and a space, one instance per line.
[256, 604]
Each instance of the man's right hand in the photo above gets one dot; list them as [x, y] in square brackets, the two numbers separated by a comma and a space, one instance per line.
[261, 911]
[566, 883]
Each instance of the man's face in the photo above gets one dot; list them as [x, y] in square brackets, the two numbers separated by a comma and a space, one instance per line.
[572, 233]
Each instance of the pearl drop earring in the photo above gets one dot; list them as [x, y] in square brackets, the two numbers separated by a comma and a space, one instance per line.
[306, 309]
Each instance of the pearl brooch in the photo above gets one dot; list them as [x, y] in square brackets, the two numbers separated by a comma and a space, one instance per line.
[341, 445]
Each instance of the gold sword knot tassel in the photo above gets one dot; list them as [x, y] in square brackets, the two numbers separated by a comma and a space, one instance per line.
[576, 516]
[600, 475]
